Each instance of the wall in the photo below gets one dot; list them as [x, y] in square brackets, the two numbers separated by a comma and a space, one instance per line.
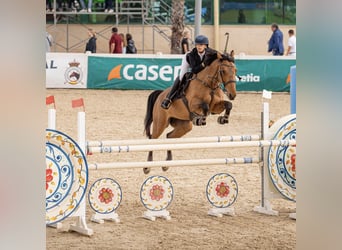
[247, 39]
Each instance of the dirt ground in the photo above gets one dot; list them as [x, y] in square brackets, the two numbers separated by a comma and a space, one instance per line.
[114, 114]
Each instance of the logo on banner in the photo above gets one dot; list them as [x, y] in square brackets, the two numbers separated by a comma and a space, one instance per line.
[74, 74]
[249, 78]
[115, 73]
[144, 72]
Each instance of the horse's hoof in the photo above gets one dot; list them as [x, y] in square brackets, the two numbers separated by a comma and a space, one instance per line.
[222, 120]
[146, 170]
[165, 169]
[199, 121]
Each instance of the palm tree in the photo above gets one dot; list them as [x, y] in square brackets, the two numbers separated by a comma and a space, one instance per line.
[177, 20]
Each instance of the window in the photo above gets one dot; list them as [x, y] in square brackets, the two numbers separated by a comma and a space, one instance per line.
[206, 13]
[257, 12]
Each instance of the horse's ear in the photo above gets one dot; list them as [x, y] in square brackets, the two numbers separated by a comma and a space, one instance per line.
[219, 55]
[232, 53]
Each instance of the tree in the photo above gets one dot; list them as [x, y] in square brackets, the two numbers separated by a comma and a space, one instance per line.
[177, 21]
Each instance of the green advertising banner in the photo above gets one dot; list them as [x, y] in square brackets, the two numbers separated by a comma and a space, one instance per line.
[159, 73]
[131, 73]
[260, 74]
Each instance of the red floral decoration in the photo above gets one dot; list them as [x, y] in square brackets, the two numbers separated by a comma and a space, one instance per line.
[49, 177]
[157, 192]
[106, 195]
[222, 190]
[293, 163]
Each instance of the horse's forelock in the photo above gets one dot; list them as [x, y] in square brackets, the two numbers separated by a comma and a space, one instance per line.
[227, 57]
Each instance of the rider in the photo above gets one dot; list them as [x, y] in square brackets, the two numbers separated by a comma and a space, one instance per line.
[194, 61]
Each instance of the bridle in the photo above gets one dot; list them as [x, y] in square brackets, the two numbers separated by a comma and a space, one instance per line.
[220, 71]
[216, 78]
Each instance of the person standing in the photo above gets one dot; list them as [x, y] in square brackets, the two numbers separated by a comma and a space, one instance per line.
[130, 48]
[91, 44]
[83, 5]
[108, 6]
[291, 44]
[115, 42]
[275, 44]
[123, 44]
[241, 17]
[185, 42]
[49, 41]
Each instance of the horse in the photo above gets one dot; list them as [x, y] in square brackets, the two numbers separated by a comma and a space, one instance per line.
[203, 96]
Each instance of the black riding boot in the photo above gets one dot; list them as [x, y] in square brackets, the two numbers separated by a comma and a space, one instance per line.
[171, 95]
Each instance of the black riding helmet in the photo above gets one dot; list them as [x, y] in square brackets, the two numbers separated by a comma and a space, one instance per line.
[200, 39]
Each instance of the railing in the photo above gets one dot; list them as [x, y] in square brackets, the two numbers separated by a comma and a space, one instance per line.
[151, 13]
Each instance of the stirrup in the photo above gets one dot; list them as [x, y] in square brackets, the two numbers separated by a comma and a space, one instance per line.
[166, 103]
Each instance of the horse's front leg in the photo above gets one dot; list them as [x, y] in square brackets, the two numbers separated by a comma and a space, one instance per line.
[225, 118]
[149, 158]
[168, 158]
[200, 114]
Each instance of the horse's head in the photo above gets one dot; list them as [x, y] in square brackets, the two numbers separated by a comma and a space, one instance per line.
[227, 73]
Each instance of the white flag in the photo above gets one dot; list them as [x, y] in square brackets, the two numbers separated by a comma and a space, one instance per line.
[267, 94]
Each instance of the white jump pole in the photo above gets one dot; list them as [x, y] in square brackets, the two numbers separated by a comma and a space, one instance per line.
[52, 119]
[174, 163]
[267, 190]
[159, 147]
[52, 125]
[174, 140]
[81, 226]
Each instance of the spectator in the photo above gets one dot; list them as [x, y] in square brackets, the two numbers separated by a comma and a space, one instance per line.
[108, 6]
[275, 44]
[241, 17]
[91, 44]
[291, 44]
[185, 43]
[59, 5]
[49, 41]
[115, 42]
[48, 6]
[130, 49]
[123, 44]
[72, 5]
[83, 6]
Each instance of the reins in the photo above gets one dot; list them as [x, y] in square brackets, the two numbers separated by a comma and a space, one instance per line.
[215, 78]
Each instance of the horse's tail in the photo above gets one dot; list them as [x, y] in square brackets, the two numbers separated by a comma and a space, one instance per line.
[149, 112]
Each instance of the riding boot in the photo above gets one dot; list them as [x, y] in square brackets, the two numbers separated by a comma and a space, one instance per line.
[171, 95]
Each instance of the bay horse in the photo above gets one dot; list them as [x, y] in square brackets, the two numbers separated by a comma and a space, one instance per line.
[203, 96]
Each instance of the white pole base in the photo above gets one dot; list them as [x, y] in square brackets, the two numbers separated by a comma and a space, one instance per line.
[293, 216]
[58, 225]
[152, 215]
[219, 212]
[100, 218]
[81, 227]
[265, 210]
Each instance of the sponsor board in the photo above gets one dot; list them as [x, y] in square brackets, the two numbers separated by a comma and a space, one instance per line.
[159, 73]
[149, 72]
[66, 70]
[132, 73]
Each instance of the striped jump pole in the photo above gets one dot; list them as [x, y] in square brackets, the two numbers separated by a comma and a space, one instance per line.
[173, 163]
[159, 147]
[174, 140]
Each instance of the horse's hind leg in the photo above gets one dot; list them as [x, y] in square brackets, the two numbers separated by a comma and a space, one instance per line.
[158, 128]
[180, 128]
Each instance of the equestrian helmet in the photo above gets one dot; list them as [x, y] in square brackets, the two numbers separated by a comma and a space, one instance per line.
[200, 39]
